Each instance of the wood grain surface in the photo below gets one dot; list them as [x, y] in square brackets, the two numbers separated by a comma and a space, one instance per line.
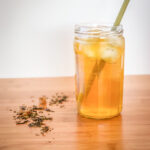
[129, 131]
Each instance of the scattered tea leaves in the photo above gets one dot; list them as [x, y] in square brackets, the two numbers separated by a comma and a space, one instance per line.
[37, 116]
[58, 99]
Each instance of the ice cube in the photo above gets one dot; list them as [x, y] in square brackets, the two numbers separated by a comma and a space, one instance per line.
[110, 54]
[115, 41]
[89, 51]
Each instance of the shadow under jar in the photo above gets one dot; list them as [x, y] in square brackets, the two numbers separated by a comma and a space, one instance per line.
[99, 51]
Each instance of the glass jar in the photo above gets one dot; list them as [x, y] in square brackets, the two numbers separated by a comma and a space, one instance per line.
[99, 51]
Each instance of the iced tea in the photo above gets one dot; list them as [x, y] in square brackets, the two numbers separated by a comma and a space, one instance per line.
[99, 54]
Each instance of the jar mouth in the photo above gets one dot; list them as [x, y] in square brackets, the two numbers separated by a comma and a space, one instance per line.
[98, 30]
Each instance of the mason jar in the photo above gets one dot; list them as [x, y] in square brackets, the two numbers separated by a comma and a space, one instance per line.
[99, 52]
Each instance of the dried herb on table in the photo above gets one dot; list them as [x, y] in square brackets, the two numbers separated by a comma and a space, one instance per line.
[36, 108]
[36, 134]
[58, 99]
[44, 129]
[23, 108]
[21, 121]
[31, 115]
[48, 110]
[43, 102]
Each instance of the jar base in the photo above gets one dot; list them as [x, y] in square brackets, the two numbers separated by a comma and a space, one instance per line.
[99, 117]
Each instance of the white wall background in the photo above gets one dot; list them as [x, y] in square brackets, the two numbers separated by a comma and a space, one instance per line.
[36, 36]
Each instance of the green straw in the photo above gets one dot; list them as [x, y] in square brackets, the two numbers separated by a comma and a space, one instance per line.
[100, 64]
[121, 12]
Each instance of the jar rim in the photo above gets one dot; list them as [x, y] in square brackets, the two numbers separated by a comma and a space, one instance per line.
[98, 29]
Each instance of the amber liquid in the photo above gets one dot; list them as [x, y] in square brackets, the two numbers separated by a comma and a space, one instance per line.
[105, 91]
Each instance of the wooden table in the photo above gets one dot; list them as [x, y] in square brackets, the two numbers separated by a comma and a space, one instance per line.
[129, 131]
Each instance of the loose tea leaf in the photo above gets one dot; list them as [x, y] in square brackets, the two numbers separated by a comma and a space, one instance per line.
[43, 102]
[44, 129]
[21, 121]
[48, 110]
